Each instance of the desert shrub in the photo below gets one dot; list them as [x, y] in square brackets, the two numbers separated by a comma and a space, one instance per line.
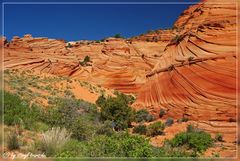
[14, 109]
[140, 129]
[66, 111]
[100, 101]
[39, 127]
[17, 111]
[218, 137]
[69, 45]
[82, 129]
[72, 148]
[53, 140]
[198, 141]
[118, 36]
[128, 99]
[106, 128]
[116, 109]
[77, 116]
[185, 119]
[1, 104]
[190, 128]
[85, 61]
[177, 39]
[155, 129]
[119, 145]
[143, 115]
[150, 31]
[162, 113]
[12, 141]
[169, 122]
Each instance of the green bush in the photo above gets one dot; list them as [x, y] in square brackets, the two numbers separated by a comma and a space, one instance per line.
[155, 129]
[177, 39]
[100, 101]
[162, 113]
[140, 129]
[184, 119]
[198, 141]
[66, 111]
[169, 122]
[143, 115]
[72, 148]
[12, 141]
[85, 61]
[82, 129]
[17, 111]
[219, 137]
[128, 99]
[118, 36]
[116, 109]
[119, 145]
[190, 128]
[106, 128]
[69, 45]
[39, 127]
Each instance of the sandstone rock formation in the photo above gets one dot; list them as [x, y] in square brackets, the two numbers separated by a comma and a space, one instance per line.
[196, 75]
[189, 70]
[116, 63]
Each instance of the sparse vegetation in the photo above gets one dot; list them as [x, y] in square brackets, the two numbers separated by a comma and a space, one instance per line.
[177, 39]
[155, 129]
[169, 122]
[219, 137]
[85, 61]
[106, 128]
[118, 36]
[12, 141]
[162, 113]
[87, 130]
[143, 115]
[53, 140]
[69, 45]
[140, 129]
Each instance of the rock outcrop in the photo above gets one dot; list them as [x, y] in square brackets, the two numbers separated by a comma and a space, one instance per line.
[116, 63]
[196, 75]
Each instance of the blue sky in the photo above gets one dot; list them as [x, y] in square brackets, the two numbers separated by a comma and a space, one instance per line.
[83, 21]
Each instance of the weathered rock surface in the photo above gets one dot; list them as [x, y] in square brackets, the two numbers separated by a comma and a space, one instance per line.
[116, 63]
[189, 71]
[196, 74]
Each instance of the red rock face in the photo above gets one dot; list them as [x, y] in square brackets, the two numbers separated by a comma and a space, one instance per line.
[116, 63]
[196, 75]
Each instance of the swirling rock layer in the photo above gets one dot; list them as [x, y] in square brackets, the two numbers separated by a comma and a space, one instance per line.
[115, 63]
[196, 75]
[189, 71]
